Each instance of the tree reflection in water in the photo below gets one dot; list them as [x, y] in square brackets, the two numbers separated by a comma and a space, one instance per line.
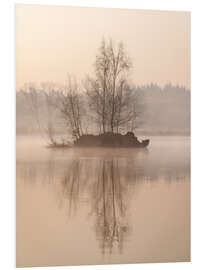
[105, 182]
[109, 206]
[71, 186]
[106, 198]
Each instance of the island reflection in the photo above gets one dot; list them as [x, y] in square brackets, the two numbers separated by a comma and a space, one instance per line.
[107, 183]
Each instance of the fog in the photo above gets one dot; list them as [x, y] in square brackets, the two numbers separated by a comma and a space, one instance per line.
[165, 111]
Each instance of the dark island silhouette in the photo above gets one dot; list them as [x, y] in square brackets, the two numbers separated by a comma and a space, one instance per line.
[110, 139]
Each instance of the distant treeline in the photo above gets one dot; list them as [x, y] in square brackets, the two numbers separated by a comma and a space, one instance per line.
[166, 110]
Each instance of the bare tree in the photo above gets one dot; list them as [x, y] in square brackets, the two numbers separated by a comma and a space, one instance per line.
[109, 92]
[128, 107]
[97, 88]
[102, 67]
[71, 107]
[119, 65]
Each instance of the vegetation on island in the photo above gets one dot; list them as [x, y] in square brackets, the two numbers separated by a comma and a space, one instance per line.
[106, 99]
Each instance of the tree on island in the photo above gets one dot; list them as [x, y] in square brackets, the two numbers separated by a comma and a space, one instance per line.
[109, 97]
[72, 107]
[110, 94]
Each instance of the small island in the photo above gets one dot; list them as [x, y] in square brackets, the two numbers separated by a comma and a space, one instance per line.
[110, 139]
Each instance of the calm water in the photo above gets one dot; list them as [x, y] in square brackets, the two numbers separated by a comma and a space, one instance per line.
[103, 206]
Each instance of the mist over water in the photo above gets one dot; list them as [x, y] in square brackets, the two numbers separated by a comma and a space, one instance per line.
[103, 205]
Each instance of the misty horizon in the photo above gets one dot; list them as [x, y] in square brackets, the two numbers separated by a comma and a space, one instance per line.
[154, 99]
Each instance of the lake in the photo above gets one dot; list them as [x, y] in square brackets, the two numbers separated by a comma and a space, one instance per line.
[102, 205]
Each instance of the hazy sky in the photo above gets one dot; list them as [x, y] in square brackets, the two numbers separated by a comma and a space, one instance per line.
[52, 41]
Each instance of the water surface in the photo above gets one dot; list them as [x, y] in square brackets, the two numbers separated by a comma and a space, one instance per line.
[102, 206]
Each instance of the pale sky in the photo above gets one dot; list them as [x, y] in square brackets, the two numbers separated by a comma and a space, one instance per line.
[52, 41]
